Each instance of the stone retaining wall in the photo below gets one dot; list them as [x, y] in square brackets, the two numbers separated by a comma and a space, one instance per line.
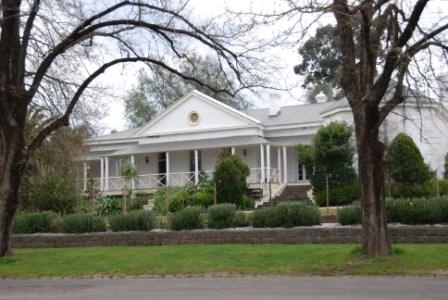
[350, 234]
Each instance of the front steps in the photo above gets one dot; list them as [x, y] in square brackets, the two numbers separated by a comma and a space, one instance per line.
[286, 192]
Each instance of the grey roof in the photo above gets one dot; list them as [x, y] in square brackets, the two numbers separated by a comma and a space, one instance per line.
[293, 114]
[190, 145]
[129, 133]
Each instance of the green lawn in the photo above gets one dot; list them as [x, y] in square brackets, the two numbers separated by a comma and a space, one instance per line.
[189, 260]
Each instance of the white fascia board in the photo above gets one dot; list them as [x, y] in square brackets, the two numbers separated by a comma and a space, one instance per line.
[293, 126]
[189, 131]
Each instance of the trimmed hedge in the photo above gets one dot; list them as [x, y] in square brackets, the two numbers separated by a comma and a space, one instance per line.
[287, 214]
[37, 222]
[187, 218]
[81, 223]
[339, 196]
[241, 219]
[349, 215]
[405, 211]
[221, 215]
[141, 220]
[417, 210]
[203, 199]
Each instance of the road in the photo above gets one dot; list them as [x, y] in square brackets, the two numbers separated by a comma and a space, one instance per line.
[247, 288]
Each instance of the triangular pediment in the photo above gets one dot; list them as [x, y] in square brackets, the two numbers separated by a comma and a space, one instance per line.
[196, 112]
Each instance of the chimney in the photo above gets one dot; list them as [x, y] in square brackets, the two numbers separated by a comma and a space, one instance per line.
[321, 97]
[274, 105]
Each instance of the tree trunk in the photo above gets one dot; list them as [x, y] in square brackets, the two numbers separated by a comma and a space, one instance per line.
[12, 164]
[375, 239]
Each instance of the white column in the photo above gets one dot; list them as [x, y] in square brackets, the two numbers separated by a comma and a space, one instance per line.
[101, 174]
[279, 164]
[262, 163]
[285, 166]
[167, 156]
[232, 150]
[133, 164]
[84, 183]
[196, 167]
[106, 171]
[268, 162]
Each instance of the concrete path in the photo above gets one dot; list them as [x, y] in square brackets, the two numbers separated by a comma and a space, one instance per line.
[247, 288]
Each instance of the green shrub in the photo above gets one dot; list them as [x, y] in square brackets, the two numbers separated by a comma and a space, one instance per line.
[46, 221]
[247, 202]
[264, 217]
[187, 218]
[206, 187]
[287, 214]
[203, 199]
[339, 195]
[349, 215]
[417, 210]
[106, 206]
[434, 188]
[137, 201]
[404, 162]
[290, 214]
[230, 179]
[52, 191]
[171, 199]
[403, 190]
[80, 223]
[141, 220]
[241, 219]
[221, 215]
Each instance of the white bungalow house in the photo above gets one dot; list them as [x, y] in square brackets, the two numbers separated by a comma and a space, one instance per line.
[183, 143]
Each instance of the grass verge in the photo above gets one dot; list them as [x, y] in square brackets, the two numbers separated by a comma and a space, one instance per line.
[196, 260]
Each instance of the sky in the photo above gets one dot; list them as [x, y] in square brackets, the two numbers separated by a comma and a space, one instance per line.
[120, 79]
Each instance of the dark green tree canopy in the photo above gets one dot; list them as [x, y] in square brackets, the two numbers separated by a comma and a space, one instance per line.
[321, 63]
[158, 89]
[405, 163]
[230, 179]
[331, 154]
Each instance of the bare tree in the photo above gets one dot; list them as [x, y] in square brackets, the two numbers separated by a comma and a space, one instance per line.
[389, 52]
[52, 51]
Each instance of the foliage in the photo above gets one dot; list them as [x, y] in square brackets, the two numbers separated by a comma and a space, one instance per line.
[241, 219]
[264, 217]
[436, 187]
[290, 214]
[141, 220]
[169, 199]
[221, 215]
[51, 190]
[349, 215]
[247, 202]
[404, 162]
[320, 64]
[138, 201]
[157, 90]
[81, 223]
[338, 196]
[35, 222]
[287, 214]
[187, 218]
[417, 210]
[230, 179]
[106, 206]
[321, 57]
[203, 199]
[331, 154]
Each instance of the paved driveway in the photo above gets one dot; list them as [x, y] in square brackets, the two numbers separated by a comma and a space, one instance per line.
[331, 288]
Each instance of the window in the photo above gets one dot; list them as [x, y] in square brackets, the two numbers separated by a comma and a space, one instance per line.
[193, 118]
[301, 172]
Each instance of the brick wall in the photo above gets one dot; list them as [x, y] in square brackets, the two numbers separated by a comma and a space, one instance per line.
[400, 234]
